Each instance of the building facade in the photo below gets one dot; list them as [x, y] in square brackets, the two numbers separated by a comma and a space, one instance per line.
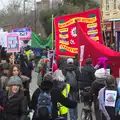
[111, 17]
[111, 9]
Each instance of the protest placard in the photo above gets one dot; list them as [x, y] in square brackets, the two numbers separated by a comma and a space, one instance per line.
[13, 44]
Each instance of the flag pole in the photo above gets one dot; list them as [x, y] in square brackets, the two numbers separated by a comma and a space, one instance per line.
[52, 32]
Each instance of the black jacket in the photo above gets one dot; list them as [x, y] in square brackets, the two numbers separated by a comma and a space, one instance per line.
[15, 107]
[56, 96]
[87, 74]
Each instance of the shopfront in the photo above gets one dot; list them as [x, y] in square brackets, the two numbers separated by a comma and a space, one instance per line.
[117, 32]
[108, 32]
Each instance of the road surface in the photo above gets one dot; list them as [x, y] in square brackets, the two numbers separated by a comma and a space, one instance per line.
[33, 87]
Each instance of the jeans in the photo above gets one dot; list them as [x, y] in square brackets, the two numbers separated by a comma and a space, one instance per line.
[73, 112]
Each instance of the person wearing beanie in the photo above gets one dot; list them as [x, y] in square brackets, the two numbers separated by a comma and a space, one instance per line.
[15, 107]
[110, 91]
[49, 86]
[4, 75]
[101, 77]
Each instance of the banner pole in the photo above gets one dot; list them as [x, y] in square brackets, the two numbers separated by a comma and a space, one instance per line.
[52, 32]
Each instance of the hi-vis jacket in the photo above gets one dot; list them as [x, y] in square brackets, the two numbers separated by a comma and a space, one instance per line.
[62, 109]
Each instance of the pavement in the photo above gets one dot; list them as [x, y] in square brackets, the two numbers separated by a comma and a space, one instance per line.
[33, 87]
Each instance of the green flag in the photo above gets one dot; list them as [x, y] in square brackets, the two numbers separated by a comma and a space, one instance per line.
[36, 42]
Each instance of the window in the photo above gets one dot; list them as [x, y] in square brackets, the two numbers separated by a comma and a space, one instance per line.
[114, 4]
[107, 4]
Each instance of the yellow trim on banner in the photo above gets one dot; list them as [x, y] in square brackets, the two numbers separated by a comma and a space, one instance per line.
[64, 42]
[78, 19]
[92, 25]
[69, 49]
[63, 30]
[92, 32]
[63, 36]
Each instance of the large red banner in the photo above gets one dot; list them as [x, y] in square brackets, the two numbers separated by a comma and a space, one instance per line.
[65, 29]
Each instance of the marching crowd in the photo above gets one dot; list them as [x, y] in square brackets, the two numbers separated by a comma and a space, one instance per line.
[58, 90]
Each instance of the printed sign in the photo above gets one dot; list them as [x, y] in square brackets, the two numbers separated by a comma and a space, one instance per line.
[110, 98]
[13, 44]
[66, 32]
[24, 33]
[3, 39]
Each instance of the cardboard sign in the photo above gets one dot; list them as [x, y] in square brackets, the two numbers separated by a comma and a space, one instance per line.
[13, 44]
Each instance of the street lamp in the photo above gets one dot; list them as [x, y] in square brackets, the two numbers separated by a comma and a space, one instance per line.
[24, 1]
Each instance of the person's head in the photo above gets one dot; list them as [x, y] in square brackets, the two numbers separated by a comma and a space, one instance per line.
[47, 83]
[110, 81]
[14, 84]
[88, 61]
[5, 68]
[70, 61]
[11, 58]
[15, 70]
[102, 73]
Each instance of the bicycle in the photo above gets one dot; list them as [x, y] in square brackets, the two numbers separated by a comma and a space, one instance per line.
[86, 113]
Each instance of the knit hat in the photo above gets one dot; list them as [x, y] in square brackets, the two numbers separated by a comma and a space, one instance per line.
[5, 66]
[47, 77]
[58, 76]
[102, 73]
[55, 67]
[110, 81]
[70, 61]
[15, 80]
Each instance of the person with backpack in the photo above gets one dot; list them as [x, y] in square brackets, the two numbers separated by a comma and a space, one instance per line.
[109, 100]
[101, 76]
[71, 78]
[44, 109]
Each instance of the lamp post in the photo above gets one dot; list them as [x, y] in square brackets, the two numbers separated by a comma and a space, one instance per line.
[24, 10]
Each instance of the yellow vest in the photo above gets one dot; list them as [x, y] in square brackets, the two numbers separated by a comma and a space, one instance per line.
[62, 109]
[28, 54]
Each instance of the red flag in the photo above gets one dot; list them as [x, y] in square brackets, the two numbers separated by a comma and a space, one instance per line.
[96, 50]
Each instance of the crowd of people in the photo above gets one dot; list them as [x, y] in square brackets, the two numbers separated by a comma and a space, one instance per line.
[58, 90]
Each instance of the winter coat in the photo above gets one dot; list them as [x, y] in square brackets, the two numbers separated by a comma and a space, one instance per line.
[15, 107]
[56, 96]
[3, 81]
[87, 75]
[109, 112]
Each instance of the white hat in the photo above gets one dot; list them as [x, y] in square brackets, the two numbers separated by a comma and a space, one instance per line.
[70, 60]
[58, 76]
[102, 73]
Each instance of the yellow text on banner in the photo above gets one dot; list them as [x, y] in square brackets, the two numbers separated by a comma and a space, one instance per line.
[78, 19]
[69, 49]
